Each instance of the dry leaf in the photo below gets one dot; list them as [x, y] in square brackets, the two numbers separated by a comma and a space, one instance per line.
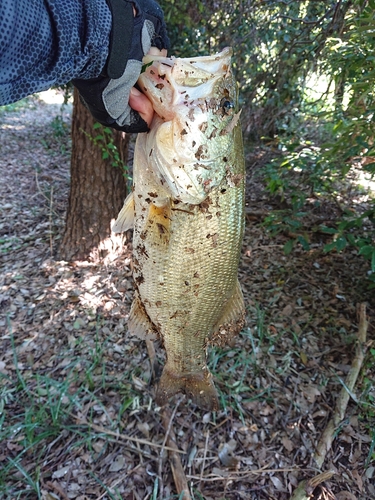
[287, 443]
[358, 478]
[226, 454]
[117, 464]
[370, 472]
[287, 311]
[277, 483]
[144, 427]
[60, 472]
[345, 495]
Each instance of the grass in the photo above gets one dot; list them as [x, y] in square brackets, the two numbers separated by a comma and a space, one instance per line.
[234, 369]
[10, 244]
[37, 419]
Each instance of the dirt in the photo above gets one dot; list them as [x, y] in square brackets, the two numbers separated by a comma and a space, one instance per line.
[77, 414]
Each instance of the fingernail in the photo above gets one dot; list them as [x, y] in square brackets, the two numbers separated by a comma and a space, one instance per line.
[135, 92]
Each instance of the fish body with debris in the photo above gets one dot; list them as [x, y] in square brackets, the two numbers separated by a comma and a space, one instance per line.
[187, 207]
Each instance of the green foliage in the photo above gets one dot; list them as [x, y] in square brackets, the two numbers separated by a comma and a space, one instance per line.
[25, 103]
[105, 141]
[275, 45]
[305, 71]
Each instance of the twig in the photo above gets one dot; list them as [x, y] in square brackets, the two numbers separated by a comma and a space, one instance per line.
[152, 355]
[123, 437]
[118, 481]
[41, 192]
[50, 223]
[176, 465]
[239, 475]
[205, 453]
[327, 437]
[165, 417]
[306, 488]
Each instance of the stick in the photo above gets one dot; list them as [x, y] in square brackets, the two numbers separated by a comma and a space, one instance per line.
[167, 433]
[152, 355]
[306, 488]
[342, 401]
[50, 223]
[55, 486]
[205, 453]
[176, 465]
[123, 437]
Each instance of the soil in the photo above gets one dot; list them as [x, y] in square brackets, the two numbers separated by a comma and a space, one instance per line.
[77, 413]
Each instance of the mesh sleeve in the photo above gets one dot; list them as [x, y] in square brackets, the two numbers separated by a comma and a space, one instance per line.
[50, 42]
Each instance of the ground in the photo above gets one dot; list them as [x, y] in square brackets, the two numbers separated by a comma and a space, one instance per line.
[77, 413]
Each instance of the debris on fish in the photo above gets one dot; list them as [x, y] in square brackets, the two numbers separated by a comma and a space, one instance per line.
[187, 205]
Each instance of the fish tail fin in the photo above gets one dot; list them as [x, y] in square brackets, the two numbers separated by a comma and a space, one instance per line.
[198, 386]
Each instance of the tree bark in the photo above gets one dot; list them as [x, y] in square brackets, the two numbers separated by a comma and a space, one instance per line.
[97, 192]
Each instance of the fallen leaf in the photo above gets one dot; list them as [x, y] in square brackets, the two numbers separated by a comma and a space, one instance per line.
[358, 478]
[345, 495]
[287, 443]
[117, 464]
[277, 483]
[60, 472]
[226, 454]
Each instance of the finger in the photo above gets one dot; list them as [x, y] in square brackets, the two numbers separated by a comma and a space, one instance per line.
[140, 103]
[154, 51]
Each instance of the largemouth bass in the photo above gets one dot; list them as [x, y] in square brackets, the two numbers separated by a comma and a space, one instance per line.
[187, 206]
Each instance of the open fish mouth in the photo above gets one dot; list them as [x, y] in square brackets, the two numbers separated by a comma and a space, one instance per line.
[169, 82]
[195, 112]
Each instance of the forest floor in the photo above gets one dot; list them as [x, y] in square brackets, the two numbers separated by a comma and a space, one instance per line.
[77, 413]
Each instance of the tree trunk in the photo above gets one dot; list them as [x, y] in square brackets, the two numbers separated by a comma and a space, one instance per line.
[97, 192]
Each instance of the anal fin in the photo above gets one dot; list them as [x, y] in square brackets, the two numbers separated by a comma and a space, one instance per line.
[139, 324]
[231, 320]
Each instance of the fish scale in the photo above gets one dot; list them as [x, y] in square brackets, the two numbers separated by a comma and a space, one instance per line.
[188, 208]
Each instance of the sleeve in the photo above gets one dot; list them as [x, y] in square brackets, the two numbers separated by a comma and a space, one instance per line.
[50, 42]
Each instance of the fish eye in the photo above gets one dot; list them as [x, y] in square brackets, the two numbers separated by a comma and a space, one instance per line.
[227, 105]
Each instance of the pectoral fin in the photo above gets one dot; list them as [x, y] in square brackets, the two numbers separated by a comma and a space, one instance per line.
[125, 219]
[159, 220]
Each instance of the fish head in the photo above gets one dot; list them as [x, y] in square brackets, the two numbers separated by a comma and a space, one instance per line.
[191, 136]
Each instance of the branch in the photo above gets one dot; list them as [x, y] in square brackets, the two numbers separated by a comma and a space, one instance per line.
[122, 437]
[169, 439]
[174, 457]
[327, 437]
[306, 488]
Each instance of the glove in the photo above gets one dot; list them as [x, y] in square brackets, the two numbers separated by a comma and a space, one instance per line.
[107, 96]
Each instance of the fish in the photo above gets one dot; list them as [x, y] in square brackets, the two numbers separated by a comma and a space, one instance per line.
[187, 211]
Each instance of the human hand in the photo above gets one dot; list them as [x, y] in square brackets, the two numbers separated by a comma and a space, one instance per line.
[111, 98]
[138, 101]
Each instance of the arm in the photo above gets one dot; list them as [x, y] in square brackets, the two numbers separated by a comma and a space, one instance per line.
[45, 43]
[97, 45]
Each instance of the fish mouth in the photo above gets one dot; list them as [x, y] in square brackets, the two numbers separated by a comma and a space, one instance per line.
[190, 138]
[169, 81]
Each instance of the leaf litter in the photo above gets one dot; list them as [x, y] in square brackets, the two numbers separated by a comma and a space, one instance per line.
[77, 413]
